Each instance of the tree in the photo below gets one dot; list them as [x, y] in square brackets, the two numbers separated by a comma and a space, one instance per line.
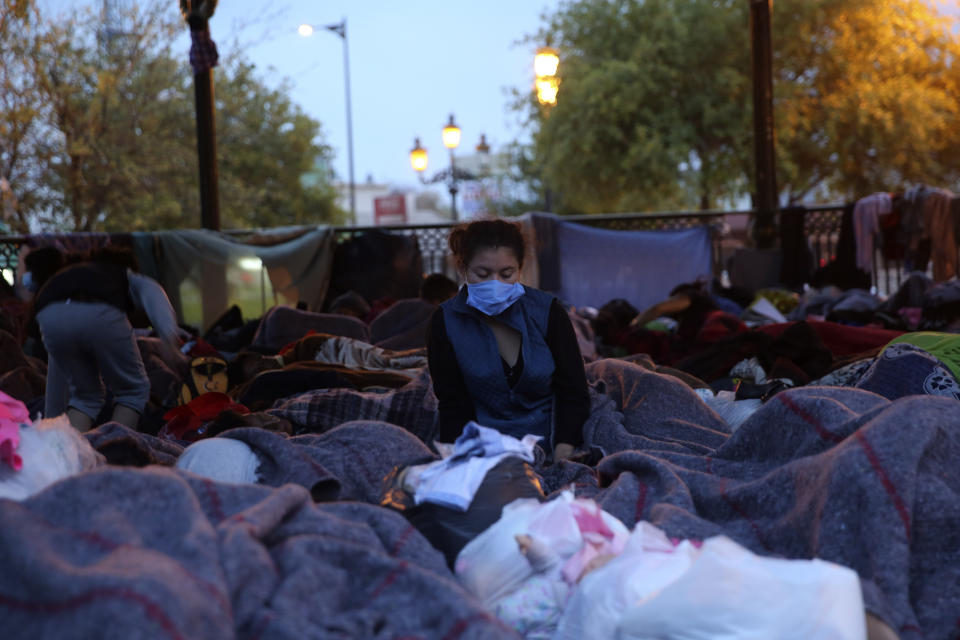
[654, 109]
[866, 96]
[113, 142]
[22, 151]
[266, 146]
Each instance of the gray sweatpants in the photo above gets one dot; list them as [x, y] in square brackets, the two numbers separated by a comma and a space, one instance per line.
[91, 344]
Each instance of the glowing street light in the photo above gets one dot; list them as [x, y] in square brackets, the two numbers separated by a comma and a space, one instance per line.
[451, 140]
[305, 30]
[451, 135]
[545, 63]
[418, 157]
[547, 84]
[547, 89]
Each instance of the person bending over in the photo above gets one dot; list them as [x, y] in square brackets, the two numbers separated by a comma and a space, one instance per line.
[82, 312]
[503, 354]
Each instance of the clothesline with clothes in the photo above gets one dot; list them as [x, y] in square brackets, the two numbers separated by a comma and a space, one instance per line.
[920, 226]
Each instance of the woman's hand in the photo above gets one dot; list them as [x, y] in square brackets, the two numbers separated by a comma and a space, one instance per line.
[562, 451]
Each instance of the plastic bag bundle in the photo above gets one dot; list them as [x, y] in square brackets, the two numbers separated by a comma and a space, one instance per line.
[50, 450]
[493, 566]
[221, 459]
[719, 590]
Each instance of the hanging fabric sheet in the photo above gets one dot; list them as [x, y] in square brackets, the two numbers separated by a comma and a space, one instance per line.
[298, 269]
[599, 265]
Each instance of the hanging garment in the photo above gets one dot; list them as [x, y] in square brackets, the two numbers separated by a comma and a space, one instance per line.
[912, 231]
[939, 228]
[866, 225]
[911, 216]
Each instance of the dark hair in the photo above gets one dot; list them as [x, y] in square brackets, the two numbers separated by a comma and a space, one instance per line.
[612, 319]
[350, 303]
[43, 263]
[689, 288]
[437, 287]
[467, 239]
[116, 255]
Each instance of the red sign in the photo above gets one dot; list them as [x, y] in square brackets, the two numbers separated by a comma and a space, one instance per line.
[392, 207]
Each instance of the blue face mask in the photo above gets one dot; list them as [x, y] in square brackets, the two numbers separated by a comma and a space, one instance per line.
[493, 297]
[28, 282]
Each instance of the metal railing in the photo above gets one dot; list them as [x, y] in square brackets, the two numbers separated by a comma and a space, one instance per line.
[821, 228]
[432, 238]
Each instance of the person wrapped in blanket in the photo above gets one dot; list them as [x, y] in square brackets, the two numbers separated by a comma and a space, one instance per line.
[503, 354]
[82, 305]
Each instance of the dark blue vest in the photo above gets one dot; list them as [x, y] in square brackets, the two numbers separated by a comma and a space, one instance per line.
[87, 281]
[528, 406]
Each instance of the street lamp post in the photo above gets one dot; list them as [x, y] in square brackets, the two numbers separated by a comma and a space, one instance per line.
[765, 233]
[452, 176]
[306, 30]
[545, 65]
[203, 57]
[451, 140]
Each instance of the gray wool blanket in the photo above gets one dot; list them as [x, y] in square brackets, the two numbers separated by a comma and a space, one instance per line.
[836, 473]
[123, 446]
[843, 474]
[840, 474]
[156, 553]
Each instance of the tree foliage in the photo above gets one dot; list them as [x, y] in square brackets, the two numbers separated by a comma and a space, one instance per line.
[867, 96]
[100, 131]
[267, 145]
[655, 103]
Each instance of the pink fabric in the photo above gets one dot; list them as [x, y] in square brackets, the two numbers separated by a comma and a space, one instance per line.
[12, 414]
[696, 543]
[598, 540]
[590, 521]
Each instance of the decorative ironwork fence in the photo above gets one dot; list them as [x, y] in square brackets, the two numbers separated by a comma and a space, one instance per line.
[821, 227]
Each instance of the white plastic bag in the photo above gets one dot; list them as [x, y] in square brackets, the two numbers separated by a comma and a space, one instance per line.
[655, 590]
[51, 450]
[491, 566]
[649, 562]
[731, 594]
[221, 459]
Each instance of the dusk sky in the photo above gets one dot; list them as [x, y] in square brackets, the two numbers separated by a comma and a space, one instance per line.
[412, 64]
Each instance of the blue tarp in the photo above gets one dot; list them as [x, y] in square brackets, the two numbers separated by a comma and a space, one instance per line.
[598, 265]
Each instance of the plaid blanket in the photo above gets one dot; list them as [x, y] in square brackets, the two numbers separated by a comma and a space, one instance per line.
[413, 407]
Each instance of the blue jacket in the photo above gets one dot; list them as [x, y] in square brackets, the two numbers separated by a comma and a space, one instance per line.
[528, 406]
